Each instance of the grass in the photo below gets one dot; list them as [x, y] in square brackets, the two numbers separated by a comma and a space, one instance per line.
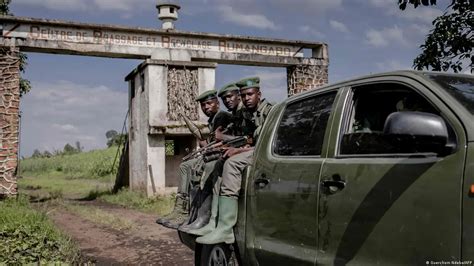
[138, 201]
[58, 187]
[95, 164]
[84, 176]
[96, 215]
[28, 236]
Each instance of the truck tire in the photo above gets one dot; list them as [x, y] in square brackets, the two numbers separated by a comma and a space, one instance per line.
[218, 254]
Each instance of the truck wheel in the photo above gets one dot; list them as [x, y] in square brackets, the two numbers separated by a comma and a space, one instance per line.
[218, 254]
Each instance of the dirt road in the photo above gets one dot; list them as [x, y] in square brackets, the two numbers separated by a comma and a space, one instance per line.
[144, 243]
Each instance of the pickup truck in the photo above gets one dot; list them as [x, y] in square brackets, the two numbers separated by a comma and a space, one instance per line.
[374, 170]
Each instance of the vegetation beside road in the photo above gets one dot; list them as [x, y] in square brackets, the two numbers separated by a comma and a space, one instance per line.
[27, 236]
[85, 175]
[95, 164]
[64, 181]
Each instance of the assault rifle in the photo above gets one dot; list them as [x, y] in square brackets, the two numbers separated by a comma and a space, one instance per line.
[214, 150]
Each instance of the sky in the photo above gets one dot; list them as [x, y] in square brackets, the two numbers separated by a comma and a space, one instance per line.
[77, 98]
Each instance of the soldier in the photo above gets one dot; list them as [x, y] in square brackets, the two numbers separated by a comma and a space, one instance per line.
[256, 111]
[230, 96]
[190, 171]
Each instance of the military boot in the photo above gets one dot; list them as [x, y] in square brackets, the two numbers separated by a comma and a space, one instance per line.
[179, 209]
[224, 232]
[212, 220]
[203, 216]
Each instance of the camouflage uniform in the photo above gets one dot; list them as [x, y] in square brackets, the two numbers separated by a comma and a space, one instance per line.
[235, 165]
[191, 170]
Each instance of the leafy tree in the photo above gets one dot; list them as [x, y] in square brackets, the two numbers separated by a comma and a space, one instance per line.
[79, 148]
[4, 6]
[110, 134]
[25, 85]
[114, 138]
[47, 154]
[451, 41]
[36, 154]
[68, 149]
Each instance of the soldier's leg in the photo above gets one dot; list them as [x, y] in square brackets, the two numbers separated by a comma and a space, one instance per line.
[232, 173]
[228, 200]
[212, 173]
[181, 207]
[211, 225]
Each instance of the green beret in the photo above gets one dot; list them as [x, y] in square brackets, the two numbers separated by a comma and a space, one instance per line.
[247, 83]
[210, 94]
[227, 88]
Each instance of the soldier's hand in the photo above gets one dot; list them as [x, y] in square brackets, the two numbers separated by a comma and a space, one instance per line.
[202, 143]
[231, 151]
[218, 133]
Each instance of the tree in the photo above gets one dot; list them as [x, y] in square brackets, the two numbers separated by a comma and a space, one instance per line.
[114, 138]
[111, 134]
[36, 154]
[4, 7]
[449, 44]
[25, 85]
[68, 149]
[79, 148]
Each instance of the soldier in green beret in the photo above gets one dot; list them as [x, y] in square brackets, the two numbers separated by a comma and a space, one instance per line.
[237, 159]
[230, 96]
[190, 171]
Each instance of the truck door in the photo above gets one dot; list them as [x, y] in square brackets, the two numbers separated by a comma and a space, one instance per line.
[284, 196]
[382, 203]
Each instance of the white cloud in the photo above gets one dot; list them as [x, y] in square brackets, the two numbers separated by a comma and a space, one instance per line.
[383, 3]
[65, 128]
[60, 112]
[311, 30]
[128, 6]
[258, 21]
[273, 84]
[385, 37]
[306, 6]
[339, 26]
[391, 65]
[63, 5]
[424, 14]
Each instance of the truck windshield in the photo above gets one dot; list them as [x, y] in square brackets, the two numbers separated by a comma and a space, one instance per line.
[460, 87]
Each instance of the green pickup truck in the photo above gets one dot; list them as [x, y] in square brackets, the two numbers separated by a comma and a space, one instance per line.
[375, 170]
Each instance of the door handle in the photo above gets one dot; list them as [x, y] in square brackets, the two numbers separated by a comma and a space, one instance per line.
[262, 181]
[333, 186]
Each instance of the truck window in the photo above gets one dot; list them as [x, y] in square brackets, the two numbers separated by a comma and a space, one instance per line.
[371, 106]
[302, 127]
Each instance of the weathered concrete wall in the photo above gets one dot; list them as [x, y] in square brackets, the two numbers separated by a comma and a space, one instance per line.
[138, 137]
[9, 122]
[306, 77]
[156, 80]
[151, 123]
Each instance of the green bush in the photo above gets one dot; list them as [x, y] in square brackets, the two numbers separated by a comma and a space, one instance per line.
[28, 236]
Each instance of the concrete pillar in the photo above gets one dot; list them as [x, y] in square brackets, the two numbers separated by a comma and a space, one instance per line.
[156, 172]
[9, 122]
[156, 86]
[306, 77]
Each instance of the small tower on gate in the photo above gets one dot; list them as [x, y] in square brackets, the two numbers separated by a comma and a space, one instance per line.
[168, 13]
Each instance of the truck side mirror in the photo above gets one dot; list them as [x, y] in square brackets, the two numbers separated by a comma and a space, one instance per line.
[424, 132]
